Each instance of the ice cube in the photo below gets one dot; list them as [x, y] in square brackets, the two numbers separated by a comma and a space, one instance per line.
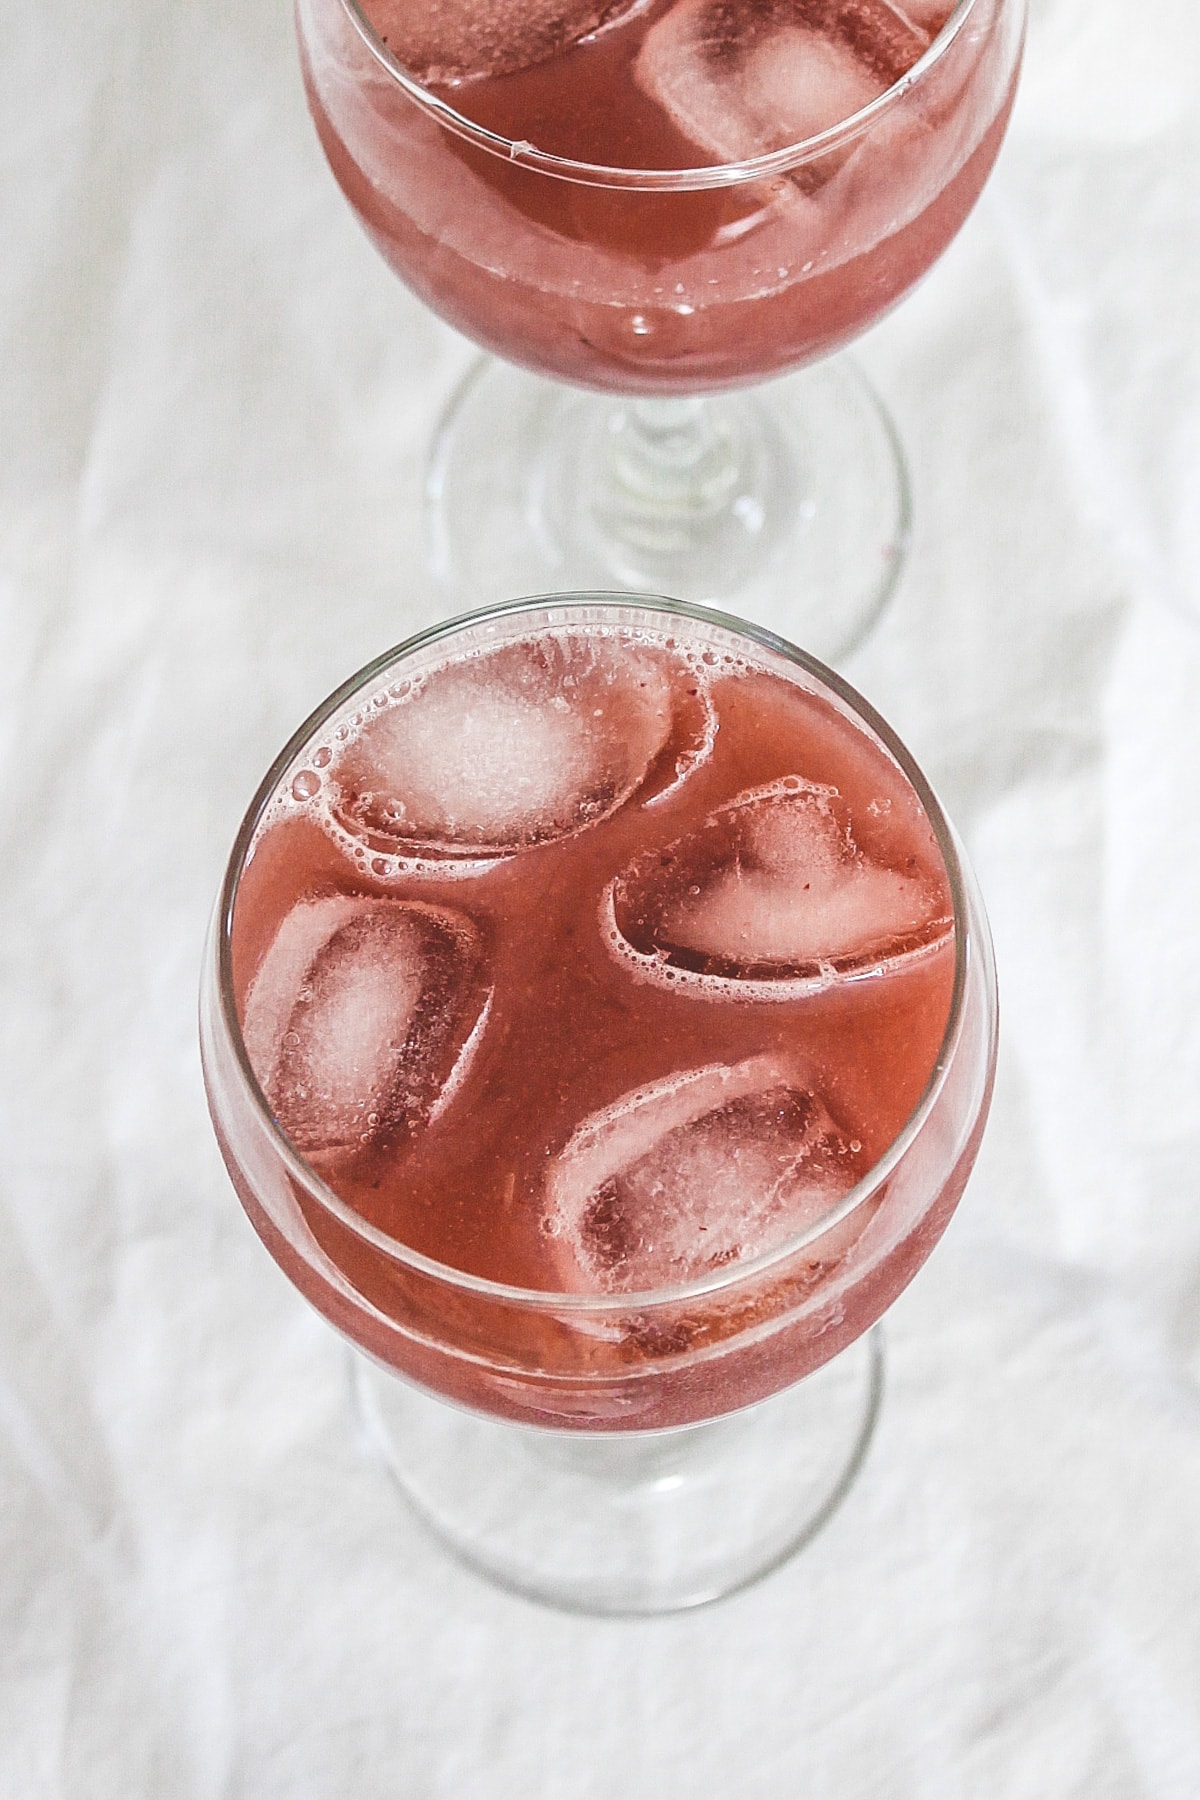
[773, 887]
[442, 41]
[744, 81]
[706, 1169]
[521, 746]
[928, 16]
[358, 1017]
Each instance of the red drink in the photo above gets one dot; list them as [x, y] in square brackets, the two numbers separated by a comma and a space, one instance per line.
[630, 275]
[609, 970]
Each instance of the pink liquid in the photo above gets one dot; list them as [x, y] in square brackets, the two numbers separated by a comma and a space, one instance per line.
[661, 291]
[629, 1034]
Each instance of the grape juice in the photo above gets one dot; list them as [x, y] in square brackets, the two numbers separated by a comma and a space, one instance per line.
[590, 961]
[675, 283]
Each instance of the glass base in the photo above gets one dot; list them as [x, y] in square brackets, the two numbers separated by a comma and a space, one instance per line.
[787, 504]
[632, 1522]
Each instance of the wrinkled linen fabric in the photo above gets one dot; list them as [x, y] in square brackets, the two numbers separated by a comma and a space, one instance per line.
[214, 402]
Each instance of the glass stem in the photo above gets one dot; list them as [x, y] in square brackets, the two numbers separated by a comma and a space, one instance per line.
[670, 476]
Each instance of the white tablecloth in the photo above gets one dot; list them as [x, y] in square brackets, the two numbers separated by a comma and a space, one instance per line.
[213, 407]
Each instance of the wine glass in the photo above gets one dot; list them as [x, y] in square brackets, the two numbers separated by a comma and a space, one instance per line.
[592, 1426]
[680, 292]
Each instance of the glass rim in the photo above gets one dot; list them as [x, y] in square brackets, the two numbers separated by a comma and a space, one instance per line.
[734, 1275]
[714, 175]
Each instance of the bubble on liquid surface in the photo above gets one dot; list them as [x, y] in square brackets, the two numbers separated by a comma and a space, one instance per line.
[774, 888]
[686, 1177]
[744, 80]
[358, 1017]
[520, 746]
[306, 785]
[451, 40]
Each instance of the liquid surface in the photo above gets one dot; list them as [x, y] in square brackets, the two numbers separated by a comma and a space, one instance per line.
[595, 960]
[659, 84]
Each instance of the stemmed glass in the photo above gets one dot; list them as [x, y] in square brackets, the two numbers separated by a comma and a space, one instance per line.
[673, 290]
[605, 1451]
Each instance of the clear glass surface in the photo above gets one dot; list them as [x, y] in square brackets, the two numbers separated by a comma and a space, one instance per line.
[633, 1522]
[661, 286]
[601, 1406]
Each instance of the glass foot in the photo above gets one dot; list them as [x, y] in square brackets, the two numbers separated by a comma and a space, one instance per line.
[786, 503]
[631, 1522]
